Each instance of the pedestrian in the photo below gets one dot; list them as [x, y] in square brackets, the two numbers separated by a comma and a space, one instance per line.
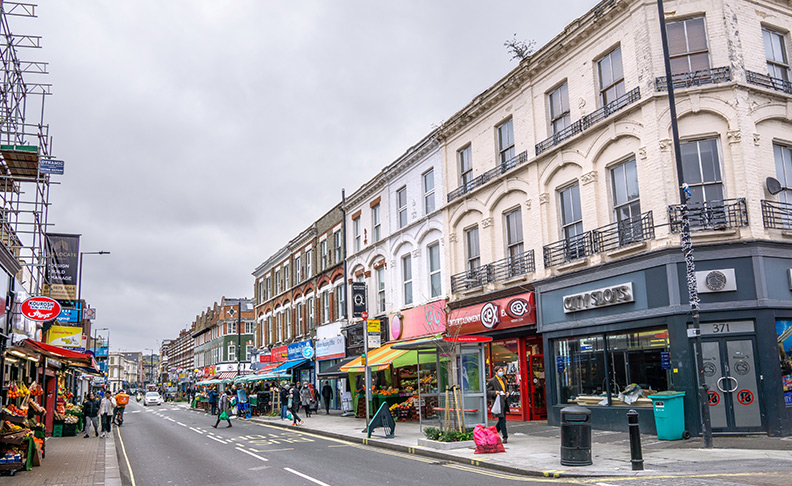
[225, 409]
[305, 399]
[91, 412]
[284, 400]
[496, 389]
[106, 408]
[294, 402]
[213, 401]
[327, 395]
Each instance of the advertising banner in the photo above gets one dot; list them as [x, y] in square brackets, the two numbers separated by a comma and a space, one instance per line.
[301, 350]
[506, 313]
[65, 336]
[280, 353]
[425, 320]
[69, 315]
[358, 299]
[330, 348]
[61, 272]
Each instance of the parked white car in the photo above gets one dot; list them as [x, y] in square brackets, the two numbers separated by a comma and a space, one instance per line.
[152, 398]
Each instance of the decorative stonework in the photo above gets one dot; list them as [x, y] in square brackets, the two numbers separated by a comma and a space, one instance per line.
[527, 204]
[487, 222]
[544, 198]
[582, 103]
[416, 253]
[734, 136]
[589, 178]
[642, 153]
[452, 238]
[665, 144]
[756, 138]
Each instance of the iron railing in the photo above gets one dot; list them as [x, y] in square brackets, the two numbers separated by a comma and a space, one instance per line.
[502, 168]
[695, 78]
[589, 120]
[777, 215]
[569, 249]
[711, 215]
[513, 266]
[470, 279]
[623, 233]
[766, 81]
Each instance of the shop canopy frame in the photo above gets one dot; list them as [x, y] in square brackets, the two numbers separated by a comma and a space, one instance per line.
[83, 362]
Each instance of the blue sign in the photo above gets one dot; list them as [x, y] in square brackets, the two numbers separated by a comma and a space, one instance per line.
[71, 348]
[665, 360]
[102, 352]
[788, 398]
[69, 315]
[301, 350]
[586, 347]
[51, 166]
[560, 364]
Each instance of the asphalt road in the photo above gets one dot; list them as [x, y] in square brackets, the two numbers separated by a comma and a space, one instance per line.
[167, 445]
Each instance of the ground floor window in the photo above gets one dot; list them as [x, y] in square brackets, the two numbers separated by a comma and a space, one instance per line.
[784, 332]
[612, 369]
[507, 354]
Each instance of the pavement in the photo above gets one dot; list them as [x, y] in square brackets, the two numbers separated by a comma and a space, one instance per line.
[534, 449]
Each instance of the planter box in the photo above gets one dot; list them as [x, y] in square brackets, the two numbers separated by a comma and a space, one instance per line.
[444, 446]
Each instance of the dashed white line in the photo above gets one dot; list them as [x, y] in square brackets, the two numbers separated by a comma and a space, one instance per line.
[197, 430]
[183, 425]
[218, 440]
[251, 454]
[309, 478]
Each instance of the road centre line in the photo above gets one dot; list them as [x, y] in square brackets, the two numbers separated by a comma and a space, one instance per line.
[251, 454]
[197, 430]
[305, 476]
[183, 425]
[218, 440]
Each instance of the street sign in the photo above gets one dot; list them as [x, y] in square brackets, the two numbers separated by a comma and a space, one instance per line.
[40, 309]
[359, 304]
[51, 166]
[89, 313]
[467, 339]
[364, 315]
[374, 340]
[373, 326]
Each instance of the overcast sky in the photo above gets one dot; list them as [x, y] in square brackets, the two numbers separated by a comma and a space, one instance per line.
[201, 136]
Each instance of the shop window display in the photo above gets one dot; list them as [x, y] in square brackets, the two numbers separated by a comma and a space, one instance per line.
[784, 332]
[507, 355]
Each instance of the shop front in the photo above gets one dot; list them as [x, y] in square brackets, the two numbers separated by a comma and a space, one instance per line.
[515, 346]
[620, 334]
[330, 353]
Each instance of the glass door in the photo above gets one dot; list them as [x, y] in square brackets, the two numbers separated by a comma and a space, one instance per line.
[472, 381]
[537, 387]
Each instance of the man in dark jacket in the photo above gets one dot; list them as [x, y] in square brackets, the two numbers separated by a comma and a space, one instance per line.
[91, 414]
[327, 395]
[294, 394]
[212, 395]
[284, 401]
[496, 389]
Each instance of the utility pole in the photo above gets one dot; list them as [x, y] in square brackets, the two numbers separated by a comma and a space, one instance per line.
[239, 336]
[686, 242]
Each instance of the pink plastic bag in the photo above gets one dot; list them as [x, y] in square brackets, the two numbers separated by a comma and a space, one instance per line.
[487, 440]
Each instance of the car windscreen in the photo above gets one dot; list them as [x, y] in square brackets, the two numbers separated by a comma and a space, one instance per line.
[152, 395]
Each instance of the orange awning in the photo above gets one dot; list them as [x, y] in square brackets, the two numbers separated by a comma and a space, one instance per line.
[378, 359]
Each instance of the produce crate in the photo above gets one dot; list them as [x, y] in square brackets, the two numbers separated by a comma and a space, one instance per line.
[69, 430]
[57, 430]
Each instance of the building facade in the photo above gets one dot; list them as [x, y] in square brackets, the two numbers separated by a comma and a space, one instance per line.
[122, 372]
[217, 347]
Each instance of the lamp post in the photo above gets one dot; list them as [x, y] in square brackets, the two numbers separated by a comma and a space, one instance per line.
[151, 365]
[94, 339]
[79, 277]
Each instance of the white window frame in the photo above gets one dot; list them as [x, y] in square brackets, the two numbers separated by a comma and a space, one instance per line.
[472, 262]
[286, 277]
[376, 223]
[298, 269]
[401, 206]
[311, 313]
[380, 274]
[429, 192]
[289, 330]
[308, 263]
[505, 136]
[323, 253]
[407, 286]
[231, 352]
[465, 164]
[558, 108]
[337, 242]
[356, 232]
[434, 273]
[778, 64]
[614, 89]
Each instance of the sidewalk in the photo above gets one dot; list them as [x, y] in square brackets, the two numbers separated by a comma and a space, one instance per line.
[534, 449]
[73, 461]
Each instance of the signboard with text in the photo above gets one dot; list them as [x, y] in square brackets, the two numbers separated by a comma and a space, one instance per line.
[330, 348]
[506, 313]
[61, 270]
[359, 305]
[425, 320]
[65, 336]
[301, 350]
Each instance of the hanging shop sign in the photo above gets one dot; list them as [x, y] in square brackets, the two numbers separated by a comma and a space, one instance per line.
[209, 371]
[506, 313]
[594, 299]
[65, 336]
[301, 350]
[61, 281]
[425, 320]
[40, 309]
[69, 315]
[265, 356]
[330, 348]
[358, 299]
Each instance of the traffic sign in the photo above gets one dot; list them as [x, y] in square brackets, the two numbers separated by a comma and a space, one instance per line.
[373, 326]
[364, 315]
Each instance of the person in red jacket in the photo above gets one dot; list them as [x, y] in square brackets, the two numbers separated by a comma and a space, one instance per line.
[122, 399]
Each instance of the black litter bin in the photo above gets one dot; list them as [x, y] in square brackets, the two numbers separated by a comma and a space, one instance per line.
[575, 436]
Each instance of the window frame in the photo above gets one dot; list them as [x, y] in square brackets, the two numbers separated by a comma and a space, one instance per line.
[615, 83]
[688, 54]
[705, 184]
[472, 262]
[577, 224]
[465, 165]
[298, 269]
[380, 279]
[323, 254]
[407, 279]
[339, 256]
[506, 150]
[564, 116]
[514, 249]
[356, 233]
[429, 192]
[783, 64]
[432, 273]
[376, 223]
[308, 255]
[401, 206]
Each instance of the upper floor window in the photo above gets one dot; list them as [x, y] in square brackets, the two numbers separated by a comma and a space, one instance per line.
[298, 269]
[407, 278]
[514, 233]
[323, 253]
[250, 327]
[428, 188]
[701, 170]
[401, 205]
[286, 276]
[288, 323]
[435, 279]
[506, 141]
[356, 233]
[325, 306]
[261, 291]
[268, 287]
[231, 352]
[381, 289]
[472, 248]
[300, 312]
[783, 161]
[465, 157]
[624, 186]
[337, 246]
[280, 327]
[571, 211]
[311, 313]
[611, 76]
[687, 45]
[775, 51]
[558, 101]
[339, 303]
[308, 262]
[376, 223]
[277, 282]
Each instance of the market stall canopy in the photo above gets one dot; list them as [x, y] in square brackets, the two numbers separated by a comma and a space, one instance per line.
[288, 365]
[378, 359]
[427, 343]
[266, 376]
[335, 370]
[267, 368]
[71, 358]
[209, 382]
[229, 375]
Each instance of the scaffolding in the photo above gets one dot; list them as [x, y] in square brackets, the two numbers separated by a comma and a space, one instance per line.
[24, 142]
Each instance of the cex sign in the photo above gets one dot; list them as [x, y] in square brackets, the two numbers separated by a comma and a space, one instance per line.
[41, 309]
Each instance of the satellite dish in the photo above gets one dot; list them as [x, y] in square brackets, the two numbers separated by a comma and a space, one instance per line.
[773, 186]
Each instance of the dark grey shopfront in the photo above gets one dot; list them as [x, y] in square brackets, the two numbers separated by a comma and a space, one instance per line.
[611, 327]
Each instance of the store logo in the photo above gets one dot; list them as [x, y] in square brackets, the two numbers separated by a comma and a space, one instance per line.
[617, 294]
[489, 315]
[40, 309]
[517, 308]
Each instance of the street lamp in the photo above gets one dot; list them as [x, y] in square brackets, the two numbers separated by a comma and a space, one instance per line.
[79, 277]
[151, 364]
[94, 341]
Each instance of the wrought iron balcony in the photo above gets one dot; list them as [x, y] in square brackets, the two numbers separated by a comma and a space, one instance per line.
[623, 233]
[502, 168]
[513, 266]
[589, 120]
[568, 250]
[695, 78]
[711, 215]
[777, 215]
[766, 81]
[470, 279]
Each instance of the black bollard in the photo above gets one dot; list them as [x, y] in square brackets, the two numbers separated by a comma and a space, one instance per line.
[636, 458]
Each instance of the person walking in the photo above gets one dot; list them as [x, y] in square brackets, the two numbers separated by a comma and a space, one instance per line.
[106, 408]
[225, 409]
[294, 397]
[91, 413]
[327, 395]
[213, 401]
[305, 399]
[496, 389]
[283, 393]
[121, 400]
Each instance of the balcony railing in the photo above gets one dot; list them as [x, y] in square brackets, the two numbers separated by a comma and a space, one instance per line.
[589, 120]
[502, 168]
[497, 271]
[568, 250]
[623, 233]
[711, 215]
[695, 78]
[766, 81]
[777, 215]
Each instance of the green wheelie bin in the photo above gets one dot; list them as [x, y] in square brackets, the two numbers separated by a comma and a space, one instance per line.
[669, 414]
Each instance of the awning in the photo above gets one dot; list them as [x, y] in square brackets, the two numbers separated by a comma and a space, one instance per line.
[378, 359]
[288, 365]
[71, 358]
[209, 382]
[228, 375]
[267, 368]
[335, 370]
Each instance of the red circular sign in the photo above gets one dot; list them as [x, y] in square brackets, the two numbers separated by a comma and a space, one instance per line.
[467, 339]
[41, 309]
[714, 398]
[364, 315]
[745, 397]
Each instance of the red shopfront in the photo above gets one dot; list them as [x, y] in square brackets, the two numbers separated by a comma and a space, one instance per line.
[511, 322]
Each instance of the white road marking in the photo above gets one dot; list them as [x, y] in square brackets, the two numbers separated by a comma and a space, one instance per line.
[183, 425]
[305, 476]
[218, 440]
[251, 454]
[197, 430]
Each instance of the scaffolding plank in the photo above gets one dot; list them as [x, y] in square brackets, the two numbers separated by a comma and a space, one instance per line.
[21, 160]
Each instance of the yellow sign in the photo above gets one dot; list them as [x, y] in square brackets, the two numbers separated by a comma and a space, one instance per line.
[373, 325]
[65, 336]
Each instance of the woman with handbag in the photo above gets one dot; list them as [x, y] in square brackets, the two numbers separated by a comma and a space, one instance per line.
[225, 408]
[496, 389]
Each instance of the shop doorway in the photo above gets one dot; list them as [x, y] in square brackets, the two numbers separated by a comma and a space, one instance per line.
[732, 377]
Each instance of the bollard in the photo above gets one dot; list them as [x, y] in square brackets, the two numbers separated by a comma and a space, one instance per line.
[636, 458]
